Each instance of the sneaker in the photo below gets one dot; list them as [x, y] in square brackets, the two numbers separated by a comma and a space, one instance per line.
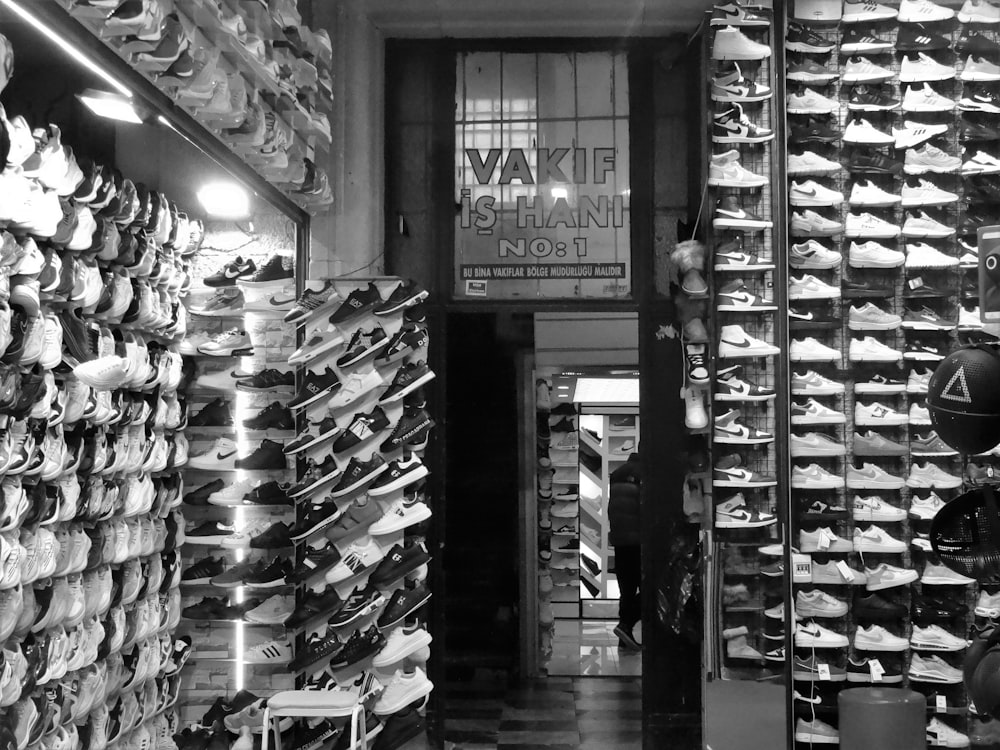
[730, 387]
[930, 445]
[312, 303]
[807, 70]
[813, 384]
[818, 603]
[930, 476]
[812, 130]
[404, 689]
[867, 193]
[729, 473]
[979, 68]
[919, 415]
[935, 638]
[879, 384]
[871, 317]
[725, 170]
[925, 319]
[357, 303]
[862, 70]
[923, 67]
[800, 38]
[831, 574]
[875, 444]
[406, 294]
[877, 638]
[869, 225]
[811, 350]
[802, 319]
[812, 224]
[812, 635]
[923, 225]
[813, 412]
[267, 380]
[874, 607]
[875, 539]
[315, 385]
[815, 444]
[866, 98]
[358, 557]
[912, 134]
[875, 509]
[925, 508]
[981, 163]
[809, 102]
[886, 576]
[872, 477]
[231, 343]
[733, 126]
[729, 430]
[728, 257]
[938, 733]
[926, 99]
[870, 349]
[278, 271]
[730, 85]
[811, 163]
[877, 414]
[813, 255]
[815, 477]
[823, 540]
[929, 158]
[917, 350]
[231, 272]
[808, 287]
[734, 296]
[866, 11]
[734, 514]
[811, 193]
[808, 670]
[822, 513]
[933, 669]
[981, 100]
[734, 342]
[860, 130]
[729, 214]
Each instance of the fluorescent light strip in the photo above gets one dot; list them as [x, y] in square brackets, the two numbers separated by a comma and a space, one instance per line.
[66, 46]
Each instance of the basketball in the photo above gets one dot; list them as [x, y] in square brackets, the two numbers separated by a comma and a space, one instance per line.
[963, 398]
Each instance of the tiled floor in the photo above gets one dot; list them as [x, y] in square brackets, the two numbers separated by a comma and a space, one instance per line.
[557, 713]
[590, 648]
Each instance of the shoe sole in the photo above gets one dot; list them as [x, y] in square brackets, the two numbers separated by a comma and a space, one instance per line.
[422, 380]
[804, 452]
[363, 355]
[276, 284]
[874, 358]
[897, 422]
[867, 485]
[738, 267]
[363, 612]
[803, 47]
[874, 264]
[736, 183]
[914, 326]
[794, 296]
[810, 77]
[750, 224]
[736, 483]
[863, 326]
[399, 306]
[243, 351]
[742, 138]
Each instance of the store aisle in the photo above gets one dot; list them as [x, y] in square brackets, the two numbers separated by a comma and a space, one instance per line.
[555, 714]
[589, 648]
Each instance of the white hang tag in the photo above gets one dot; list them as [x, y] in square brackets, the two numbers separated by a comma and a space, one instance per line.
[824, 671]
[824, 539]
[941, 704]
[845, 570]
[876, 669]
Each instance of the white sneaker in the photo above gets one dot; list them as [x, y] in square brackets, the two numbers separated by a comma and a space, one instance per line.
[811, 102]
[870, 349]
[924, 68]
[939, 734]
[872, 254]
[822, 539]
[695, 416]
[877, 638]
[811, 350]
[809, 287]
[811, 635]
[872, 415]
[725, 170]
[925, 508]
[942, 575]
[818, 603]
[813, 384]
[886, 576]
[864, 11]
[871, 317]
[922, 255]
[874, 508]
[811, 193]
[734, 514]
[734, 342]
[922, 225]
[809, 162]
[813, 412]
[929, 475]
[969, 320]
[814, 444]
[812, 224]
[935, 638]
[925, 99]
[923, 11]
[914, 133]
[981, 163]
[868, 225]
[872, 477]
[875, 539]
[732, 44]
[220, 457]
[815, 477]
[860, 130]
[929, 158]
[919, 415]
[860, 69]
[925, 193]
[933, 669]
[979, 68]
[813, 255]
[867, 193]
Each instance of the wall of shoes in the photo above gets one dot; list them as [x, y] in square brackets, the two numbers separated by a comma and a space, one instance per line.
[318, 537]
[740, 380]
[90, 524]
[250, 72]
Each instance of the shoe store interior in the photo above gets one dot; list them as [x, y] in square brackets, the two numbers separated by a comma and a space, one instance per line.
[471, 375]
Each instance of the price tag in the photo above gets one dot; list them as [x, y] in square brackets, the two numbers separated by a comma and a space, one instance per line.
[876, 669]
[824, 671]
[941, 704]
[845, 570]
[915, 283]
[824, 539]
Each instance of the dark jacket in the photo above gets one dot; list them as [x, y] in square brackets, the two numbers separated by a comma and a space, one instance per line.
[623, 503]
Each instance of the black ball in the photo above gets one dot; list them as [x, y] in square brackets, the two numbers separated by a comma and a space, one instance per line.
[963, 398]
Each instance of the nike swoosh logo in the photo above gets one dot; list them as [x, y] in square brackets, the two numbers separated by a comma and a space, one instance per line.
[737, 431]
[740, 344]
[806, 192]
[223, 456]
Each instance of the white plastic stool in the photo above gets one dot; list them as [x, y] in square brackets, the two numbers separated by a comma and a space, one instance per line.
[314, 704]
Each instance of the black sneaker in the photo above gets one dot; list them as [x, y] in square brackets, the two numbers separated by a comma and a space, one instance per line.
[359, 473]
[403, 603]
[819, 511]
[209, 608]
[400, 728]
[317, 647]
[917, 37]
[408, 378]
[803, 39]
[215, 413]
[315, 385]
[358, 302]
[277, 272]
[271, 576]
[937, 609]
[274, 536]
[874, 607]
[361, 603]
[312, 302]
[210, 532]
[813, 131]
[316, 475]
[268, 456]
[200, 496]
[409, 338]
[317, 433]
[860, 40]
[860, 670]
[266, 381]
[314, 560]
[274, 416]
[267, 493]
[922, 352]
[399, 561]
[317, 517]
[359, 647]
[973, 130]
[919, 288]
[411, 430]
[373, 727]
[229, 273]
[810, 320]
[974, 43]
[362, 427]
[201, 573]
[871, 99]
[401, 473]
[308, 737]
[407, 294]
[870, 161]
[314, 604]
[362, 345]
[863, 290]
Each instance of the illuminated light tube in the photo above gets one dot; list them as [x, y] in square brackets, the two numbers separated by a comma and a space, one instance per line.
[111, 106]
[66, 47]
[225, 200]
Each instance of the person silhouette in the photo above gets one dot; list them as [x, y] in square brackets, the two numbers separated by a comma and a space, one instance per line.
[624, 535]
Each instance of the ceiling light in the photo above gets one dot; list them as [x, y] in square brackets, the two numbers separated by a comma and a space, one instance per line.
[111, 106]
[225, 200]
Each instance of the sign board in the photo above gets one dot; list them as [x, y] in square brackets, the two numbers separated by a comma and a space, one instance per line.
[988, 240]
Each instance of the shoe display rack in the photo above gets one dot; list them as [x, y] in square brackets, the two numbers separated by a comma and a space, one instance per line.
[741, 381]
[327, 559]
[606, 442]
[251, 73]
[92, 436]
[890, 143]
